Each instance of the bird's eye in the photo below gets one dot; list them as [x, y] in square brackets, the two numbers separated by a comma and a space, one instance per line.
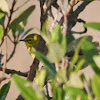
[29, 40]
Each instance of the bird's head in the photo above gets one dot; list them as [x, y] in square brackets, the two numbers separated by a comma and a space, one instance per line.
[31, 40]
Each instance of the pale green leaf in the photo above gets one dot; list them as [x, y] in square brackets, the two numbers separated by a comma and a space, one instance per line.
[75, 93]
[26, 88]
[97, 60]
[57, 36]
[93, 25]
[1, 32]
[40, 78]
[4, 6]
[75, 81]
[55, 52]
[96, 86]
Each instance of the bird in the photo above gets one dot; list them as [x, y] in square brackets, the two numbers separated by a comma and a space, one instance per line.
[32, 42]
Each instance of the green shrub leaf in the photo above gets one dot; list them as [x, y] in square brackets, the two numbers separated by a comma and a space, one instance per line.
[1, 32]
[4, 6]
[97, 60]
[23, 16]
[50, 68]
[55, 52]
[89, 51]
[57, 36]
[4, 90]
[26, 88]
[75, 94]
[93, 25]
[96, 86]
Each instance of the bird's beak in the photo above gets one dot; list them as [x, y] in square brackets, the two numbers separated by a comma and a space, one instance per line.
[22, 40]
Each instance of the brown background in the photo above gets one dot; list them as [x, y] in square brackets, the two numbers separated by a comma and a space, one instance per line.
[22, 60]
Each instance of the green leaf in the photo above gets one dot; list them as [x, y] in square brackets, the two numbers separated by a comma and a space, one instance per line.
[50, 68]
[26, 32]
[45, 27]
[72, 45]
[55, 52]
[76, 56]
[79, 65]
[23, 16]
[93, 25]
[26, 88]
[2, 14]
[75, 94]
[96, 86]
[75, 81]
[1, 32]
[17, 31]
[40, 78]
[2, 17]
[97, 60]
[57, 36]
[4, 90]
[89, 51]
[4, 6]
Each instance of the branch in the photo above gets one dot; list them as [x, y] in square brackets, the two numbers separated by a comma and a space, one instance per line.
[5, 59]
[81, 7]
[65, 14]
[10, 71]
[10, 17]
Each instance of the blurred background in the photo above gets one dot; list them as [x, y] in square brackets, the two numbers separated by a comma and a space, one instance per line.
[21, 60]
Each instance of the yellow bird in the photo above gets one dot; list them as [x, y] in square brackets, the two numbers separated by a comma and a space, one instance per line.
[32, 42]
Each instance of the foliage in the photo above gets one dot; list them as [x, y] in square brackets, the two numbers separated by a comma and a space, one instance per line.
[71, 87]
[4, 90]
[59, 76]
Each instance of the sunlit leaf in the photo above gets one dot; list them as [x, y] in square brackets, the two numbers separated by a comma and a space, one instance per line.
[93, 25]
[97, 60]
[1, 32]
[4, 90]
[57, 36]
[55, 52]
[40, 78]
[79, 65]
[23, 16]
[75, 81]
[26, 89]
[96, 86]
[45, 27]
[4, 6]
[75, 93]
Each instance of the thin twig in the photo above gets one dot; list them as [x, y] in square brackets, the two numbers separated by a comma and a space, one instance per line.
[11, 71]
[65, 13]
[10, 17]
[21, 5]
[5, 59]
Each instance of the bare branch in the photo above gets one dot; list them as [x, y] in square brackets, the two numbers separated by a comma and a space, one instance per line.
[10, 71]
[5, 59]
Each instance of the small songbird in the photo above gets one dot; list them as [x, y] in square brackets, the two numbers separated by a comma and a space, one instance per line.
[32, 42]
